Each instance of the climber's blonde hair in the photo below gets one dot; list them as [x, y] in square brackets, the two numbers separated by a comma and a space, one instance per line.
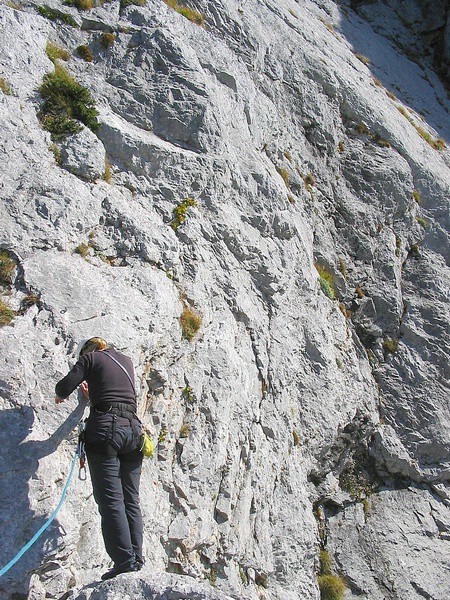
[93, 344]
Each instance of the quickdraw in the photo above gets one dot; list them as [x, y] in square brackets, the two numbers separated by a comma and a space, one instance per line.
[81, 451]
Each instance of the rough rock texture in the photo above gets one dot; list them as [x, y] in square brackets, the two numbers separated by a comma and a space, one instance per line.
[420, 28]
[311, 408]
[84, 155]
[146, 586]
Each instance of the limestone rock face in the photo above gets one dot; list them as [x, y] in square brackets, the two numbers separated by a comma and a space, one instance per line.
[147, 586]
[83, 154]
[283, 172]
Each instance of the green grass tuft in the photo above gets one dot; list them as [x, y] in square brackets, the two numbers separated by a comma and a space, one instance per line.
[7, 267]
[309, 179]
[6, 314]
[189, 13]
[125, 3]
[422, 222]
[82, 249]
[332, 587]
[417, 196]
[55, 52]
[66, 102]
[85, 53]
[390, 345]
[284, 174]
[107, 40]
[80, 4]
[326, 567]
[436, 143]
[362, 58]
[53, 14]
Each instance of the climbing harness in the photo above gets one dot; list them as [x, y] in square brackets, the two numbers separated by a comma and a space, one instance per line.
[28, 545]
[147, 445]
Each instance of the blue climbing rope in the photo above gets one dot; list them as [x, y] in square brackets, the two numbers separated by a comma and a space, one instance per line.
[45, 525]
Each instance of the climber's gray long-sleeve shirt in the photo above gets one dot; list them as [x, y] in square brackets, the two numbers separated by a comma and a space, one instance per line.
[107, 381]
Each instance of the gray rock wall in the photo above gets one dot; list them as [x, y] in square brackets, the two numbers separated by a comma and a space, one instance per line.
[310, 411]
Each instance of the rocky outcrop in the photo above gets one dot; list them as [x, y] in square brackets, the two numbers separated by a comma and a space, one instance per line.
[283, 172]
[420, 29]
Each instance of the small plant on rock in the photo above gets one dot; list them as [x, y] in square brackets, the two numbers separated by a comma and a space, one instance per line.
[80, 4]
[326, 281]
[107, 174]
[362, 58]
[359, 478]
[422, 222]
[332, 587]
[7, 267]
[417, 196]
[190, 323]
[212, 577]
[53, 14]
[85, 53]
[188, 395]
[56, 150]
[5, 87]
[189, 13]
[437, 144]
[185, 430]
[326, 566]
[6, 313]
[180, 211]
[125, 3]
[107, 40]
[343, 268]
[309, 179]
[390, 345]
[363, 129]
[284, 174]
[82, 249]
[345, 311]
[30, 300]
[66, 102]
[162, 436]
[380, 141]
[55, 52]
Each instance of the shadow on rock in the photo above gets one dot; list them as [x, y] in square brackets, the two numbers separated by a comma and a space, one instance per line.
[19, 461]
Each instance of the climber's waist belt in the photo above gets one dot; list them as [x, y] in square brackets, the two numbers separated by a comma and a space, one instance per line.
[120, 409]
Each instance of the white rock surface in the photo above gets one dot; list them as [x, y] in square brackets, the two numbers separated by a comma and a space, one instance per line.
[83, 154]
[283, 413]
[149, 586]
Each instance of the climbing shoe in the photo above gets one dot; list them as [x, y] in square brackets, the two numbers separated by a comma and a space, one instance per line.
[118, 570]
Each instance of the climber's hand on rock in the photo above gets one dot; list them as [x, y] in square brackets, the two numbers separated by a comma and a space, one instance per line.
[85, 389]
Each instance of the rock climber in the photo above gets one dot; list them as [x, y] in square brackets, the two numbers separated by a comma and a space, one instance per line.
[112, 442]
